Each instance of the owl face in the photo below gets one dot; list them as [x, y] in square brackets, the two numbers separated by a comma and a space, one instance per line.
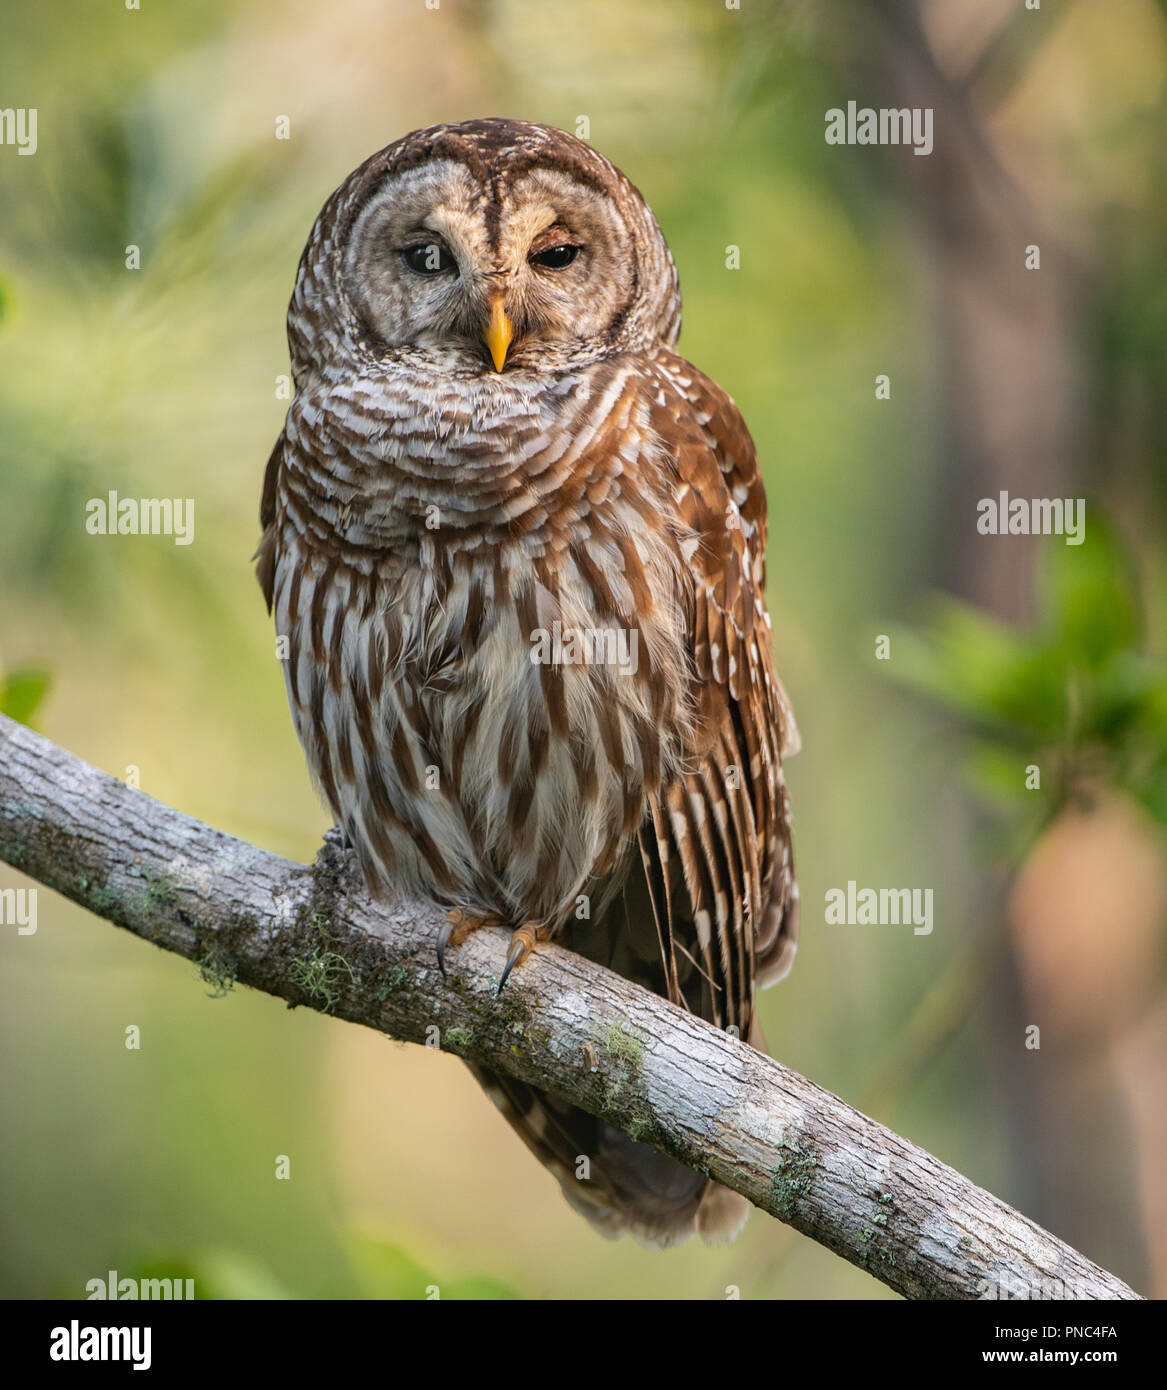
[436, 261]
[495, 247]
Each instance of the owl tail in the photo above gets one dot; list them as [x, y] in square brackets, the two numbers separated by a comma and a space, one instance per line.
[620, 1185]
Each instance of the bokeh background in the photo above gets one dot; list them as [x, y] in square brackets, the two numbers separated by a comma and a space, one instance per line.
[157, 128]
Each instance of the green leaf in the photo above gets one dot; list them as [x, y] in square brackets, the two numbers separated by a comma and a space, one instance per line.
[479, 1287]
[383, 1270]
[217, 1274]
[21, 693]
[1078, 694]
[976, 667]
[1090, 595]
[1124, 697]
[231, 1275]
[998, 774]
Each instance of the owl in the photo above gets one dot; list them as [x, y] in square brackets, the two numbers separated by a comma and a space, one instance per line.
[516, 546]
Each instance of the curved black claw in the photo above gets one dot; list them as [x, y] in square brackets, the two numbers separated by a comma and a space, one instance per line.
[444, 935]
[517, 952]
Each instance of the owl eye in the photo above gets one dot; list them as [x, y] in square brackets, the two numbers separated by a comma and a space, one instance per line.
[556, 257]
[428, 258]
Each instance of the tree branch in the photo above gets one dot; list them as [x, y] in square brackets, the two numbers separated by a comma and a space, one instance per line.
[312, 936]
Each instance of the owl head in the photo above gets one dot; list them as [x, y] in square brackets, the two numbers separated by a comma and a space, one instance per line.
[493, 246]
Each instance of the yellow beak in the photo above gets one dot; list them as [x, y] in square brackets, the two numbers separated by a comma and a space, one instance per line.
[499, 333]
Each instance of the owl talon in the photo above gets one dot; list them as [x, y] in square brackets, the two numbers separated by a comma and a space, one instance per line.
[523, 941]
[458, 926]
[444, 936]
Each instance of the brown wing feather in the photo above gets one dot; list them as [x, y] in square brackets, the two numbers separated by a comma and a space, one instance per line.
[265, 554]
[728, 822]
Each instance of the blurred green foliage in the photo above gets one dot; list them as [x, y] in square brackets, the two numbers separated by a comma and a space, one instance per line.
[381, 1269]
[21, 693]
[377, 1269]
[1081, 695]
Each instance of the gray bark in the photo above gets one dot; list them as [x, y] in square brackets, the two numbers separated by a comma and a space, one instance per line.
[312, 936]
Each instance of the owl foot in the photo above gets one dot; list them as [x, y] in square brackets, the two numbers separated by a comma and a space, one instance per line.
[523, 941]
[457, 927]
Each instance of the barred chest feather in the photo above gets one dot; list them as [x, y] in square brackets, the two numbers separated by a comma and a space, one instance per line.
[486, 660]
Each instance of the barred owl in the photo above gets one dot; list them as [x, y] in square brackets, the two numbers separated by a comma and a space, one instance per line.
[517, 547]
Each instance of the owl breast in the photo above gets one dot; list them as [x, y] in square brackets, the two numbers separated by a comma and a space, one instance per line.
[485, 656]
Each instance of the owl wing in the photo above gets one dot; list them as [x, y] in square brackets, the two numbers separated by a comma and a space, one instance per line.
[265, 555]
[716, 844]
